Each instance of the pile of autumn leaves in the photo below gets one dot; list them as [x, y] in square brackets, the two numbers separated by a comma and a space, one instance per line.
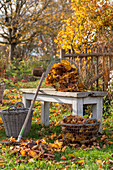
[64, 76]
[36, 149]
[41, 149]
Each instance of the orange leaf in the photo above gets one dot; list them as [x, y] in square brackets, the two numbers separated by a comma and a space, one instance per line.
[23, 153]
[98, 161]
[12, 139]
[80, 162]
[109, 142]
[63, 149]
[71, 155]
[108, 162]
[61, 162]
[2, 162]
[111, 161]
[63, 157]
[33, 154]
[1, 120]
[56, 144]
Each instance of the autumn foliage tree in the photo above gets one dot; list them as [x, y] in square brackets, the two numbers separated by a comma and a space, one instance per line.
[31, 23]
[91, 23]
[43, 44]
[20, 21]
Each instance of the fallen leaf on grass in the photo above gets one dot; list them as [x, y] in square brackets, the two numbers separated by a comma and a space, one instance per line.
[63, 149]
[58, 123]
[71, 155]
[109, 161]
[2, 163]
[104, 146]
[110, 142]
[98, 161]
[23, 152]
[63, 157]
[60, 136]
[31, 160]
[12, 139]
[1, 120]
[61, 162]
[80, 162]
[56, 144]
[52, 135]
[103, 137]
[33, 154]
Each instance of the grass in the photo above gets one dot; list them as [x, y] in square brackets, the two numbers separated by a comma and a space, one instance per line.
[98, 155]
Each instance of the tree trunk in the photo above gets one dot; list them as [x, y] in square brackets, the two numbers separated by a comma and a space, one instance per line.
[11, 52]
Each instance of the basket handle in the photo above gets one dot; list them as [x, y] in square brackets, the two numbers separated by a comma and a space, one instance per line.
[19, 103]
[91, 123]
[12, 106]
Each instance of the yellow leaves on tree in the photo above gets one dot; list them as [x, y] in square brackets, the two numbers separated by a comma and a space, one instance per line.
[90, 20]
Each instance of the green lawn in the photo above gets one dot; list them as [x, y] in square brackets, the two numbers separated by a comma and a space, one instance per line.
[66, 156]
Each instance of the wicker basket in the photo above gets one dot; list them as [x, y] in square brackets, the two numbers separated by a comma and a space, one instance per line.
[13, 119]
[2, 87]
[82, 133]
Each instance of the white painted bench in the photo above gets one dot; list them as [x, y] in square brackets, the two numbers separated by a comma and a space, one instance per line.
[77, 99]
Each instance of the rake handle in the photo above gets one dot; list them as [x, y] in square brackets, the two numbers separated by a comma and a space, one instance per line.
[30, 109]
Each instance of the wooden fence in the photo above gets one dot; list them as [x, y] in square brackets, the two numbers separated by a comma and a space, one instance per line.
[94, 66]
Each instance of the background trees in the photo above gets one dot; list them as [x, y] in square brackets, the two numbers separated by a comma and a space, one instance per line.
[32, 24]
[17, 21]
[91, 24]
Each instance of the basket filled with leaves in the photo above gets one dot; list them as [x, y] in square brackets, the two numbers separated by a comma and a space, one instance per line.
[13, 119]
[79, 129]
[63, 75]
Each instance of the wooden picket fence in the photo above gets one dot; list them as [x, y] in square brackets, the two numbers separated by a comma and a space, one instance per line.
[94, 66]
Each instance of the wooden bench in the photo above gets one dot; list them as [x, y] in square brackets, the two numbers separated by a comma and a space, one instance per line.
[76, 99]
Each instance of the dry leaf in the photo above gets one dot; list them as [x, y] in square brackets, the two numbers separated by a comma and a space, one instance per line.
[56, 144]
[63, 149]
[98, 161]
[2, 163]
[33, 154]
[71, 155]
[104, 146]
[31, 160]
[108, 162]
[80, 162]
[1, 120]
[23, 152]
[110, 142]
[63, 157]
[12, 139]
[111, 161]
[61, 162]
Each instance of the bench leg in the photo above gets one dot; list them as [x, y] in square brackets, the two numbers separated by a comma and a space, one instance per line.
[77, 107]
[45, 113]
[26, 102]
[97, 111]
